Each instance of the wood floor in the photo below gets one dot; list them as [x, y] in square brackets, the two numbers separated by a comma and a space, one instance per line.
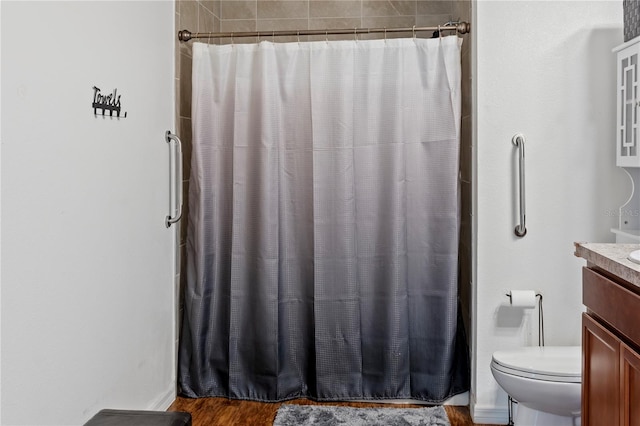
[225, 412]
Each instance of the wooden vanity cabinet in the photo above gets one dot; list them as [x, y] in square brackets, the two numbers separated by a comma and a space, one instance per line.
[610, 356]
[630, 386]
[600, 375]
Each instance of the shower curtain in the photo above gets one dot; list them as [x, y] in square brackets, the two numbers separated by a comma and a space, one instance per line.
[323, 222]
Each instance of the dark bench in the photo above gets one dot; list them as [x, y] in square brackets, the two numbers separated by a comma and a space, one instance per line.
[139, 418]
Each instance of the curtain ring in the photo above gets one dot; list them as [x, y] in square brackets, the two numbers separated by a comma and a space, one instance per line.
[231, 39]
[273, 36]
[355, 33]
[326, 36]
[439, 32]
[414, 31]
[209, 39]
[298, 36]
[385, 34]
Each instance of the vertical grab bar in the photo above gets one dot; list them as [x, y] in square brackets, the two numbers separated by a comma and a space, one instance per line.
[521, 229]
[175, 188]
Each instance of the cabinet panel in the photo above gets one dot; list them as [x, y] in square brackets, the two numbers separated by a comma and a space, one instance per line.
[630, 386]
[601, 375]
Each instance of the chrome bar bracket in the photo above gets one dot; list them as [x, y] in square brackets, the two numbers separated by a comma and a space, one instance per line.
[175, 185]
[521, 229]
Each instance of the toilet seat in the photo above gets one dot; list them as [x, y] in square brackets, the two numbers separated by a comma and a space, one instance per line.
[549, 363]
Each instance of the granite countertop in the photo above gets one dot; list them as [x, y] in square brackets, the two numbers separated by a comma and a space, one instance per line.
[612, 258]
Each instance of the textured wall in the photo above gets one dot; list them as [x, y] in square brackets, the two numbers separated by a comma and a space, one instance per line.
[462, 10]
[87, 303]
[556, 84]
[266, 15]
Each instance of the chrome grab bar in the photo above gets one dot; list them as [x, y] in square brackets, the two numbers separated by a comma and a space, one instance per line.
[175, 188]
[521, 229]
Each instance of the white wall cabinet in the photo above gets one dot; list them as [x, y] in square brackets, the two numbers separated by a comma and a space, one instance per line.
[627, 149]
[627, 144]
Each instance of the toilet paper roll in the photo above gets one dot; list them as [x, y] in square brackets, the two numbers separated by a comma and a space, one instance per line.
[523, 298]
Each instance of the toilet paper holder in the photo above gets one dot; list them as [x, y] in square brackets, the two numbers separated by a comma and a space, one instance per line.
[540, 316]
[538, 295]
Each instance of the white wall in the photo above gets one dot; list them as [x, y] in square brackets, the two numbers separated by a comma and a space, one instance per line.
[88, 303]
[543, 68]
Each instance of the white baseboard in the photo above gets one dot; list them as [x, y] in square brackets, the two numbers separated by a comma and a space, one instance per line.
[489, 415]
[164, 401]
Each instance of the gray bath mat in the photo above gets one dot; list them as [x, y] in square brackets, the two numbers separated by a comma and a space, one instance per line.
[326, 415]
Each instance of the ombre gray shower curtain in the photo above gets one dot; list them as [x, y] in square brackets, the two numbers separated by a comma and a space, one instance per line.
[323, 222]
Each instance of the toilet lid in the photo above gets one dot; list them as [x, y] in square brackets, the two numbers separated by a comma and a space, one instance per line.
[554, 363]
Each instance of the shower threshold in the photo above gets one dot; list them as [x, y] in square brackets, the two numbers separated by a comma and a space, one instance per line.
[461, 399]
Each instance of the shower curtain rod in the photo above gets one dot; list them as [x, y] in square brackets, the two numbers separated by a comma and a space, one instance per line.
[459, 27]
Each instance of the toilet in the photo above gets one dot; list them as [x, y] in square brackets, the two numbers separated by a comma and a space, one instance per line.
[544, 380]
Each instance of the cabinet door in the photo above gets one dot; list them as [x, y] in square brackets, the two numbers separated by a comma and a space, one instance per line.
[627, 154]
[600, 375]
[630, 386]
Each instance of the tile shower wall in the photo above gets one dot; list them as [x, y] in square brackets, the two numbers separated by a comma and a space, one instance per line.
[267, 15]
[462, 10]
